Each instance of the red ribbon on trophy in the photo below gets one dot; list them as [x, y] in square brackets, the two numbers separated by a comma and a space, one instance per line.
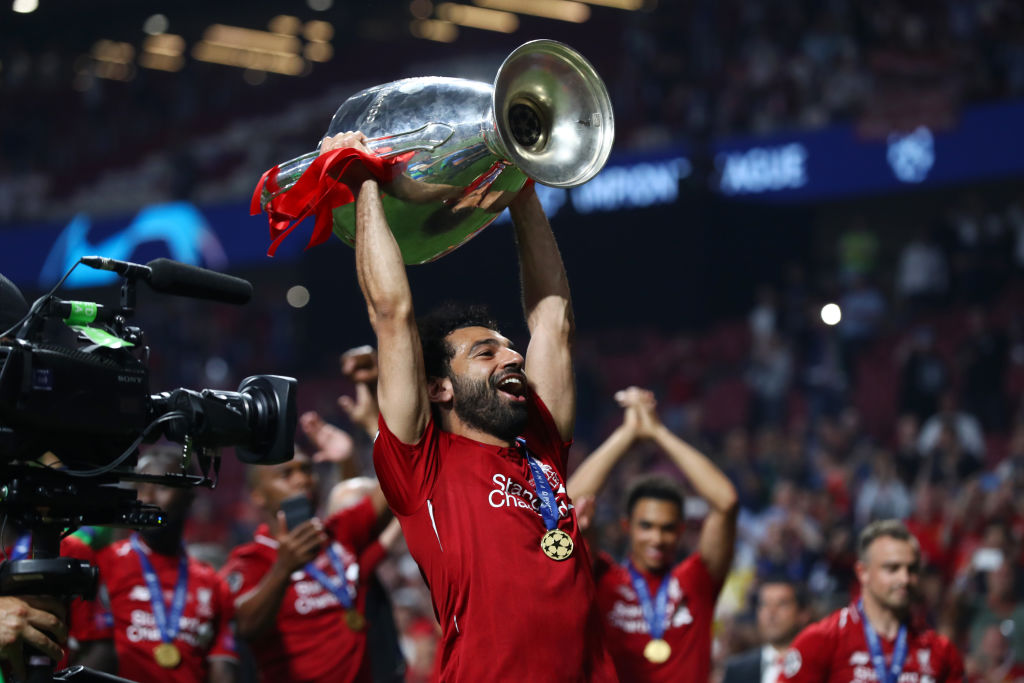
[329, 182]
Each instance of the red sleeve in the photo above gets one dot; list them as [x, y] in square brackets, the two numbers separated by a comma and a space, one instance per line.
[353, 527]
[371, 557]
[87, 619]
[542, 435]
[224, 643]
[693, 573]
[807, 660]
[407, 473]
[243, 571]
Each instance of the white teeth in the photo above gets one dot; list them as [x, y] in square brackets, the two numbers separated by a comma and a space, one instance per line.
[510, 383]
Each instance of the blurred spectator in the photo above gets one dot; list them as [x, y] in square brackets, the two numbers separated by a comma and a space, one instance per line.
[863, 308]
[420, 646]
[906, 457]
[781, 613]
[993, 661]
[821, 371]
[965, 429]
[922, 278]
[931, 523]
[882, 495]
[997, 604]
[979, 245]
[769, 374]
[984, 356]
[923, 375]
[858, 253]
[764, 317]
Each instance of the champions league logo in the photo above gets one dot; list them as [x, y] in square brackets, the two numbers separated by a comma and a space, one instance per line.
[911, 156]
[179, 226]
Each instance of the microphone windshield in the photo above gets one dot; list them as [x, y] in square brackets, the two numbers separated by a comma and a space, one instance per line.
[172, 277]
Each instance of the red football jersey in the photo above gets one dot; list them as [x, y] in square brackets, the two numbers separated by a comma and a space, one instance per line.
[472, 521]
[692, 593]
[205, 630]
[310, 641]
[834, 650]
[87, 619]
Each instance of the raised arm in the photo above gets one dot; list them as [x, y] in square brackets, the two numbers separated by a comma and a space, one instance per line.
[548, 310]
[718, 534]
[402, 386]
[589, 478]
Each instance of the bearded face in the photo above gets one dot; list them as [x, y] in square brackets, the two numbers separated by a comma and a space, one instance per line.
[480, 404]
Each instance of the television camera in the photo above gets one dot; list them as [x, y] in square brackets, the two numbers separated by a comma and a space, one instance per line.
[73, 415]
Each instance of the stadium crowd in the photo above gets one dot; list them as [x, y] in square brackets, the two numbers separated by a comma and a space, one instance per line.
[741, 67]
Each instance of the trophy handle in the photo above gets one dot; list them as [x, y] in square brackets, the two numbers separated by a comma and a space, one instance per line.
[425, 138]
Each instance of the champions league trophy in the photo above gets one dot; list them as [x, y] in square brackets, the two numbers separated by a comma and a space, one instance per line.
[453, 153]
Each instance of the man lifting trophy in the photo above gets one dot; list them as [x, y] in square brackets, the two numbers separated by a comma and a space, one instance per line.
[473, 436]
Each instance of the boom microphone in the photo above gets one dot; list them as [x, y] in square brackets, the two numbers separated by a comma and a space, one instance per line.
[172, 277]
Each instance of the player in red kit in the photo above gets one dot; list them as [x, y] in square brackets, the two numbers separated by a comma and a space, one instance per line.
[658, 614]
[471, 455]
[300, 593]
[171, 617]
[873, 638]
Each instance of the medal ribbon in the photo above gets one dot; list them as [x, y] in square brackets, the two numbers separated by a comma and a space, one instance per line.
[21, 547]
[899, 652]
[654, 611]
[339, 588]
[167, 624]
[548, 505]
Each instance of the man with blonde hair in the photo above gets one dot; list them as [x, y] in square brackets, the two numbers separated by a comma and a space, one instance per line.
[874, 638]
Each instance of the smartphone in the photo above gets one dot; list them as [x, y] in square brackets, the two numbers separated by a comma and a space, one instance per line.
[297, 510]
[987, 559]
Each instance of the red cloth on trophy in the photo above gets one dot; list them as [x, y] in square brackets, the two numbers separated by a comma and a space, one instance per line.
[328, 182]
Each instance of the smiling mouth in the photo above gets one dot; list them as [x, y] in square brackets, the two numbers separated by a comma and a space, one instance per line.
[513, 385]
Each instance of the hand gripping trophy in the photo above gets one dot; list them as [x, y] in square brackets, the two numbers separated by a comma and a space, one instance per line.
[450, 153]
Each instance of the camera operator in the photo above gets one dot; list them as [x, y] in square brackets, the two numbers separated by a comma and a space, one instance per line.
[170, 612]
[34, 621]
[300, 588]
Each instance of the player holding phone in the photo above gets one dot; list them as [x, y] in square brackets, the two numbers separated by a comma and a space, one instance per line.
[299, 598]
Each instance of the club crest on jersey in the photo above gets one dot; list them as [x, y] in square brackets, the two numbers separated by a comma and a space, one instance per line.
[234, 581]
[924, 661]
[792, 663]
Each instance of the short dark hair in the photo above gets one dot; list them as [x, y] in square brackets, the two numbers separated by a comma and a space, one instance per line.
[657, 487]
[775, 578]
[884, 528]
[435, 327]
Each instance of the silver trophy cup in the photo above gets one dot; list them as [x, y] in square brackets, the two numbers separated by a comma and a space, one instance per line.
[471, 146]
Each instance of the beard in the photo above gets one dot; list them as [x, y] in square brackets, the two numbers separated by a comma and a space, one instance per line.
[480, 406]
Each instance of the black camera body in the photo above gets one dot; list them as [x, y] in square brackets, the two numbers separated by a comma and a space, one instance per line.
[88, 406]
[76, 404]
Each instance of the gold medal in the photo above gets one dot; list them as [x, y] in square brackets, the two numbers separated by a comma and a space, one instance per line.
[167, 655]
[557, 544]
[657, 651]
[355, 620]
